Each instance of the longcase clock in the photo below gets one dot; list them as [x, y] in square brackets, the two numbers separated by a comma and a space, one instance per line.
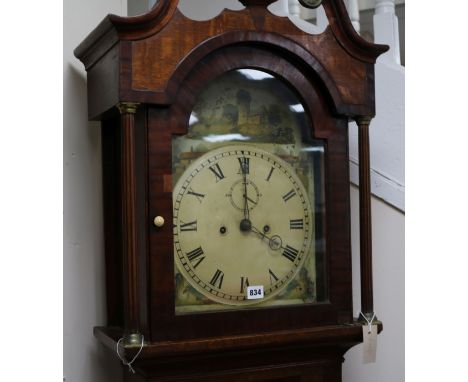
[226, 191]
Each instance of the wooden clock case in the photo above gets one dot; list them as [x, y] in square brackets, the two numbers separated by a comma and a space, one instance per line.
[144, 74]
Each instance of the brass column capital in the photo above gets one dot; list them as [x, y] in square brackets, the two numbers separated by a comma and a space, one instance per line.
[127, 107]
[363, 119]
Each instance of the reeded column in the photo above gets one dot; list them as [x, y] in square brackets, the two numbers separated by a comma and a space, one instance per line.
[365, 221]
[129, 229]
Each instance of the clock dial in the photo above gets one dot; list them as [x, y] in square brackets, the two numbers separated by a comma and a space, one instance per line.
[241, 218]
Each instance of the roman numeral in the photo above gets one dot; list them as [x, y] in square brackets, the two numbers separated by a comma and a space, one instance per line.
[217, 172]
[191, 226]
[296, 224]
[217, 279]
[196, 255]
[290, 253]
[244, 284]
[289, 195]
[273, 277]
[196, 194]
[269, 174]
[244, 165]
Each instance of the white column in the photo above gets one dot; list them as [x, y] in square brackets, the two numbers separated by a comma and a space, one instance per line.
[294, 8]
[386, 29]
[353, 10]
[322, 20]
[283, 5]
[384, 6]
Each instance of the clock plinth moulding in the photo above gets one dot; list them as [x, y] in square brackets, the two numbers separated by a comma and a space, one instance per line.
[145, 75]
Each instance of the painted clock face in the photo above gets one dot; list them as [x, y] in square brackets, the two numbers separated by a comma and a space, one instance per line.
[241, 218]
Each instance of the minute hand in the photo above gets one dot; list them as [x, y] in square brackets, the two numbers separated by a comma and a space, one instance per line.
[246, 203]
[274, 244]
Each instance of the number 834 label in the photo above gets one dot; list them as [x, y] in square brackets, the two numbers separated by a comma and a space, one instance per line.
[254, 292]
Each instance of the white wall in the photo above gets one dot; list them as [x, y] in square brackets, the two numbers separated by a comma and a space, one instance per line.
[138, 7]
[85, 360]
[388, 242]
[387, 137]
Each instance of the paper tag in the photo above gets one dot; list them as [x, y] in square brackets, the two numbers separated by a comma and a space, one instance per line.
[254, 292]
[370, 343]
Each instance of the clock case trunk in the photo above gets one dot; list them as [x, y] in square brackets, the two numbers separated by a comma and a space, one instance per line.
[152, 67]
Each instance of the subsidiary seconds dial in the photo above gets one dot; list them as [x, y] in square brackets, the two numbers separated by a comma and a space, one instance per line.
[242, 218]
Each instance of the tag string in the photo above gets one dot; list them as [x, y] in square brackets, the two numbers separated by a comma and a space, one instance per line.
[129, 364]
[369, 322]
